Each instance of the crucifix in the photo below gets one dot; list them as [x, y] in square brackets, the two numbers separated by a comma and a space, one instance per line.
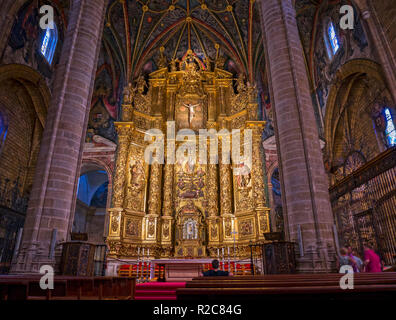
[191, 111]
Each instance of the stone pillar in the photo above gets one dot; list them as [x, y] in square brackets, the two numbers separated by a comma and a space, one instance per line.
[53, 196]
[306, 196]
[380, 43]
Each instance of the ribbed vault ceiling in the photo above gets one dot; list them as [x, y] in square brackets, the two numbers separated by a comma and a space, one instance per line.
[137, 30]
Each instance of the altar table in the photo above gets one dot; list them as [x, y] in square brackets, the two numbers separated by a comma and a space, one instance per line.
[180, 269]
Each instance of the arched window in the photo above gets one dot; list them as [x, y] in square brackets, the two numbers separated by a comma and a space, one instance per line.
[49, 40]
[331, 40]
[3, 131]
[390, 131]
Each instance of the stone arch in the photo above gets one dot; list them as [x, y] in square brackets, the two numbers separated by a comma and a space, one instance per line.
[24, 97]
[352, 70]
[358, 85]
[86, 218]
[97, 164]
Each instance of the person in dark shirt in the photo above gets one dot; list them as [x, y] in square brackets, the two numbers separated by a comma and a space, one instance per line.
[215, 271]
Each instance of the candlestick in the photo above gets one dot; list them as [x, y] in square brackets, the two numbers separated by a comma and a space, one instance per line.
[222, 253]
[229, 265]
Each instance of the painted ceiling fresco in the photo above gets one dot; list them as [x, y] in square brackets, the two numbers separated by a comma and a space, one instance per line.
[136, 30]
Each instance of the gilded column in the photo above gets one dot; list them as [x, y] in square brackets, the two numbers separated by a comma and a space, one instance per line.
[262, 212]
[123, 130]
[225, 184]
[168, 191]
[167, 211]
[116, 215]
[213, 211]
[154, 201]
[226, 211]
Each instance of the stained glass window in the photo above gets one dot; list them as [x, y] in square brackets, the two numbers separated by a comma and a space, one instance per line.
[333, 38]
[390, 131]
[48, 43]
[3, 131]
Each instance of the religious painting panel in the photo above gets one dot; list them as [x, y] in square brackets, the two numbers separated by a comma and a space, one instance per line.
[133, 228]
[246, 228]
[150, 228]
[229, 227]
[115, 223]
[243, 191]
[137, 173]
[166, 230]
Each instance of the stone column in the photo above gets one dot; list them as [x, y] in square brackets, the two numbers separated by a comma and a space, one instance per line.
[306, 196]
[53, 196]
[380, 43]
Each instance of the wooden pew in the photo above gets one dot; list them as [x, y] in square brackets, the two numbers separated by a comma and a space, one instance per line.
[21, 287]
[324, 286]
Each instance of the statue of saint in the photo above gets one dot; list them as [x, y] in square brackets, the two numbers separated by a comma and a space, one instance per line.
[128, 93]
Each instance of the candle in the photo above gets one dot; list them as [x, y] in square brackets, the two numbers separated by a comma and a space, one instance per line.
[228, 250]
[218, 252]
[143, 252]
[222, 251]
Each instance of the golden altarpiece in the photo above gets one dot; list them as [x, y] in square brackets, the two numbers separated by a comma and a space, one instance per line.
[186, 210]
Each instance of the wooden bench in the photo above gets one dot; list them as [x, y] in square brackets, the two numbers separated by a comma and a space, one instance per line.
[67, 288]
[301, 286]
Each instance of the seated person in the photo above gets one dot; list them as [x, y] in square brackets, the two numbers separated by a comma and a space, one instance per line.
[215, 271]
